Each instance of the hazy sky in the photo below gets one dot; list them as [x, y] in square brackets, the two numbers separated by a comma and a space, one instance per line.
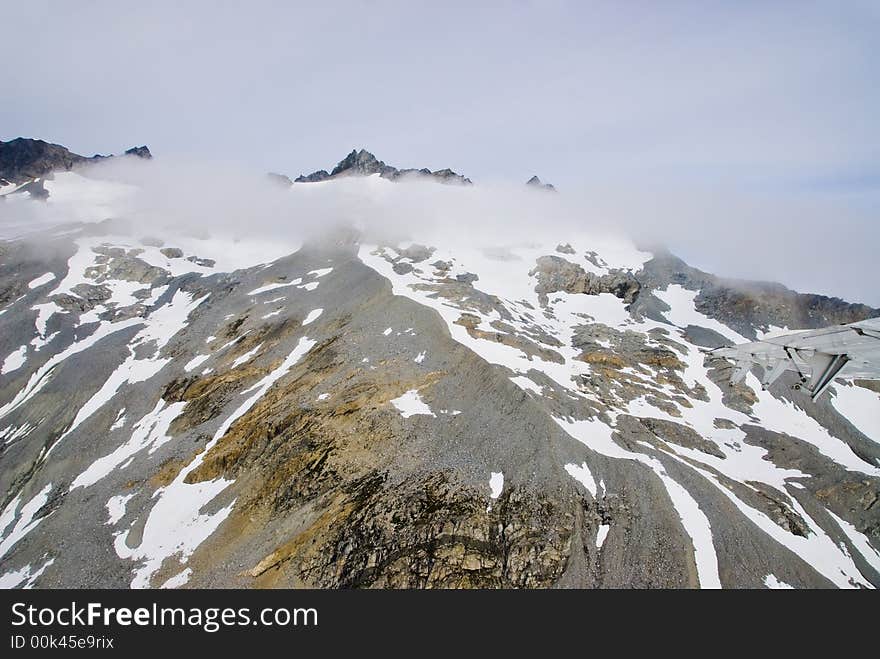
[754, 124]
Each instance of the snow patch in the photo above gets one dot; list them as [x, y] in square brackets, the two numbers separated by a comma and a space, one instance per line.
[772, 582]
[14, 361]
[583, 475]
[116, 507]
[411, 404]
[496, 484]
[312, 316]
[41, 280]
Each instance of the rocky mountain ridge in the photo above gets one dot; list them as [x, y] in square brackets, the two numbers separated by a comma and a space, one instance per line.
[208, 411]
[363, 163]
[23, 159]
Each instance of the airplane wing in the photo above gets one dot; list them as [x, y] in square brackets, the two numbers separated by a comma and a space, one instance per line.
[817, 356]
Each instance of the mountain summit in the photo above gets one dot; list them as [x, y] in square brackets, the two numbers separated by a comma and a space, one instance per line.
[343, 410]
[536, 183]
[24, 159]
[363, 163]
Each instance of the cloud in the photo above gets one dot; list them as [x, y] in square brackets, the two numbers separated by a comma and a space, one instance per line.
[717, 228]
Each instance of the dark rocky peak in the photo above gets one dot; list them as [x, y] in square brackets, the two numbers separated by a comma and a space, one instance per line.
[535, 182]
[448, 176]
[140, 152]
[24, 159]
[363, 163]
[314, 177]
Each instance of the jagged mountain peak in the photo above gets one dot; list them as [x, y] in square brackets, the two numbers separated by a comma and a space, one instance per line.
[24, 159]
[361, 162]
[537, 183]
[224, 410]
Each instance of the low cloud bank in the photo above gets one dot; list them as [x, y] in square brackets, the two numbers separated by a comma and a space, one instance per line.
[808, 246]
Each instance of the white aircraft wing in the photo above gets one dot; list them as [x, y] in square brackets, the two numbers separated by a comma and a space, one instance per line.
[817, 356]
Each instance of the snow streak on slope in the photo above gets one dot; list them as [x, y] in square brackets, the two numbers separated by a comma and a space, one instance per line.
[504, 275]
[859, 406]
[176, 525]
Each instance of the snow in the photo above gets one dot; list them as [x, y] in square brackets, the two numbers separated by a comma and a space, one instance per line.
[582, 475]
[312, 285]
[44, 313]
[116, 507]
[419, 358]
[150, 432]
[859, 541]
[683, 312]
[783, 417]
[601, 535]
[312, 316]
[526, 383]
[506, 278]
[411, 404]
[597, 436]
[12, 433]
[178, 579]
[176, 525]
[23, 576]
[321, 272]
[272, 313]
[25, 522]
[323, 397]
[860, 406]
[246, 357]
[14, 360]
[119, 422]
[274, 286]
[387, 331]
[41, 280]
[195, 362]
[773, 583]
[496, 484]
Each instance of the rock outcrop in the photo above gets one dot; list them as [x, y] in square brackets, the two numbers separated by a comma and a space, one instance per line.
[555, 273]
[364, 163]
[535, 182]
[24, 159]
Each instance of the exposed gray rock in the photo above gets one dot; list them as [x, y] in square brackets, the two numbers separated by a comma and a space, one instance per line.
[24, 159]
[557, 274]
[205, 263]
[535, 182]
[364, 163]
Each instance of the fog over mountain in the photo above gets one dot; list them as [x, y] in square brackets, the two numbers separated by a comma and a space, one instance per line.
[439, 295]
[748, 131]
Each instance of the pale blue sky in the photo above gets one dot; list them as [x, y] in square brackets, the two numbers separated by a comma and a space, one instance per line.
[774, 104]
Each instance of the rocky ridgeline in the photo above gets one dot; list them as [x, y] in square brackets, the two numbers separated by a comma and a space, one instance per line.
[144, 403]
[364, 163]
[535, 182]
[745, 305]
[23, 160]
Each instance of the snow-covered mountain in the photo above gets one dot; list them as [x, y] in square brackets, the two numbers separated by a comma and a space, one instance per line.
[205, 410]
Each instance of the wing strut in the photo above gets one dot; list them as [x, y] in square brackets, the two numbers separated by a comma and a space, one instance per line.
[823, 378]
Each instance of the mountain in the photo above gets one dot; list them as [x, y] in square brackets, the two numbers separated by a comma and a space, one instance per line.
[536, 182]
[364, 163]
[24, 159]
[213, 410]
